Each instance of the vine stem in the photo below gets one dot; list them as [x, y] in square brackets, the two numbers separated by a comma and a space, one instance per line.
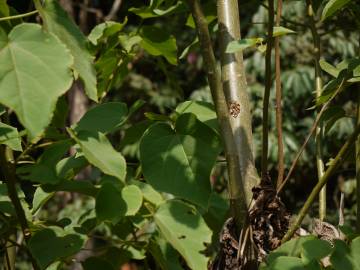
[278, 100]
[318, 90]
[8, 171]
[339, 159]
[268, 83]
[236, 191]
[19, 16]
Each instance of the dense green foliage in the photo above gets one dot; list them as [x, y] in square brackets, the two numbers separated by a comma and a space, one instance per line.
[141, 176]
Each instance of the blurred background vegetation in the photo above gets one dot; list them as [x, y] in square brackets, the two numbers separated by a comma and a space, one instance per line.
[163, 86]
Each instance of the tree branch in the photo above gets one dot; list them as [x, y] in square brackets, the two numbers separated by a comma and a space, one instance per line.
[8, 171]
[114, 9]
[268, 83]
[19, 16]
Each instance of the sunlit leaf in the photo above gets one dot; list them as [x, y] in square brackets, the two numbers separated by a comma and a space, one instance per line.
[332, 7]
[104, 30]
[34, 73]
[280, 31]
[242, 44]
[99, 152]
[204, 112]
[330, 69]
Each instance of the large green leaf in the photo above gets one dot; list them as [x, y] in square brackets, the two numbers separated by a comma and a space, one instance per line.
[290, 248]
[345, 257]
[287, 263]
[183, 227]
[157, 42]
[58, 22]
[179, 161]
[113, 204]
[332, 7]
[10, 136]
[103, 118]
[34, 72]
[47, 247]
[100, 153]
[204, 111]
[315, 249]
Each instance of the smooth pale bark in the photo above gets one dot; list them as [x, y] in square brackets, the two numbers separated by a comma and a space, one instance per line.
[237, 193]
[236, 94]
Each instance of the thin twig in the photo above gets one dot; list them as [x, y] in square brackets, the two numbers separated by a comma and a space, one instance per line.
[318, 90]
[8, 171]
[278, 100]
[114, 9]
[268, 83]
[339, 159]
[287, 20]
[312, 130]
[357, 151]
[19, 16]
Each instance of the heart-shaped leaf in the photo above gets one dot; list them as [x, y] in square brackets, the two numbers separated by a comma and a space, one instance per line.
[34, 73]
[176, 161]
